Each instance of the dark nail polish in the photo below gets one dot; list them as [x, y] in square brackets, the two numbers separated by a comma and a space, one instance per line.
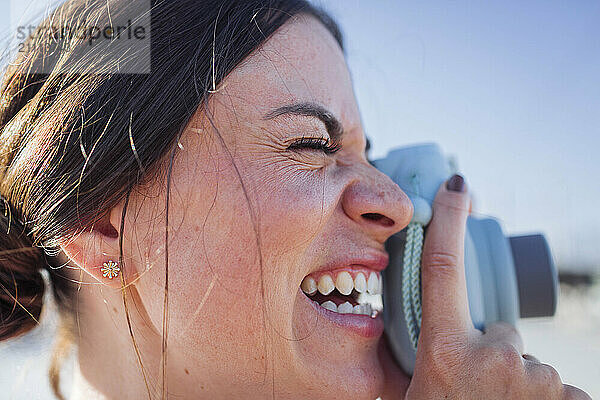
[456, 183]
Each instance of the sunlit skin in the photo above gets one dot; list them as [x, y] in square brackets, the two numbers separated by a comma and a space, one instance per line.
[238, 322]
[249, 218]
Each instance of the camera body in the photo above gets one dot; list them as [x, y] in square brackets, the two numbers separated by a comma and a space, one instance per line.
[507, 277]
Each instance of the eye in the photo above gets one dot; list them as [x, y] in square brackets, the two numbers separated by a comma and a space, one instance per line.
[323, 144]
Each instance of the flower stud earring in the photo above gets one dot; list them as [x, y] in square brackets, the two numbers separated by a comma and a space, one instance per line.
[110, 269]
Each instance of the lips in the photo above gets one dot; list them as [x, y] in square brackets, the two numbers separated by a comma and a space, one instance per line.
[349, 295]
[370, 259]
[366, 326]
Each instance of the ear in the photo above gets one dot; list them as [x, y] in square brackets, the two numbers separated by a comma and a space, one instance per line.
[94, 246]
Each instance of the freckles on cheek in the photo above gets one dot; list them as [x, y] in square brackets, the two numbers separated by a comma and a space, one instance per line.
[293, 209]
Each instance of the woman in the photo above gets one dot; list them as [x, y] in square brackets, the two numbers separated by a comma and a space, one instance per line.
[188, 216]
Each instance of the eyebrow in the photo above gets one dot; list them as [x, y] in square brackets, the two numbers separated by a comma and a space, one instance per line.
[332, 124]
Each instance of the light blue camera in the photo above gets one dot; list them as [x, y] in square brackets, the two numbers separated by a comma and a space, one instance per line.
[507, 277]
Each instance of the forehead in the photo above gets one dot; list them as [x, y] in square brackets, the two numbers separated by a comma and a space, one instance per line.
[301, 62]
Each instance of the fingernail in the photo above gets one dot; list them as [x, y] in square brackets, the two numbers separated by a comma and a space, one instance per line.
[456, 183]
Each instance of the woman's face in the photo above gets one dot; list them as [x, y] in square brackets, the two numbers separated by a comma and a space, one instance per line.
[250, 218]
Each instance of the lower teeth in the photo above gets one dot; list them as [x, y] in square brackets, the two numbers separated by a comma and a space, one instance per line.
[347, 308]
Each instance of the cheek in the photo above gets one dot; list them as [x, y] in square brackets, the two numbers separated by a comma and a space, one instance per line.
[293, 208]
[215, 300]
[217, 270]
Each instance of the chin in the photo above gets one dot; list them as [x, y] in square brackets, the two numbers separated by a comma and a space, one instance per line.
[357, 380]
[364, 380]
[336, 354]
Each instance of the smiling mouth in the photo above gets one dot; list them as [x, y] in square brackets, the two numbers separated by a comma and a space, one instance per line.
[346, 291]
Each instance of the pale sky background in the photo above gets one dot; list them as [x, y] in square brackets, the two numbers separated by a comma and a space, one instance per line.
[510, 88]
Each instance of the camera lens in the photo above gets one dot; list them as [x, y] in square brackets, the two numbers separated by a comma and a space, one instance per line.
[536, 276]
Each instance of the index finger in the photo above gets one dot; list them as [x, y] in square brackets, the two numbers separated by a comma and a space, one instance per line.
[445, 306]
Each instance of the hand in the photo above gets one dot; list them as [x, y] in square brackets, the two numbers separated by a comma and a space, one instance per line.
[455, 360]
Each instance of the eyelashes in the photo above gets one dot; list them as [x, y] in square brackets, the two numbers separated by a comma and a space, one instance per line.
[322, 144]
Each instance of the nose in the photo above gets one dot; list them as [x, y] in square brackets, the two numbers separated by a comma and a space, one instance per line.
[377, 204]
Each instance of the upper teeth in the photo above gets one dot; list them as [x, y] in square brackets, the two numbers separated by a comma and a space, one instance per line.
[360, 283]
[309, 286]
[373, 284]
[325, 284]
[343, 283]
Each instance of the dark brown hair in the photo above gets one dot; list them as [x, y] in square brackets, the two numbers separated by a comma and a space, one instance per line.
[74, 144]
